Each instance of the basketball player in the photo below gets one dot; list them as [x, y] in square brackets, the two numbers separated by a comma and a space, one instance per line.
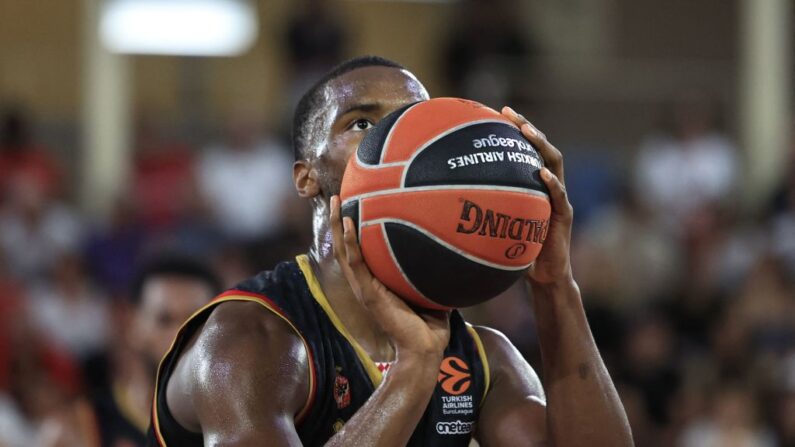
[167, 291]
[297, 355]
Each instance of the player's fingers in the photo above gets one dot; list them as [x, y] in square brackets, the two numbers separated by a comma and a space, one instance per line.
[369, 287]
[552, 157]
[561, 207]
[512, 115]
[353, 252]
[336, 229]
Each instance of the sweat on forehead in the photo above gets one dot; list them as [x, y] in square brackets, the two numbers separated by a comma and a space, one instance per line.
[378, 90]
[311, 114]
[374, 85]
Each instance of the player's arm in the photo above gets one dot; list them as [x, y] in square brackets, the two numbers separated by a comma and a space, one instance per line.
[392, 412]
[514, 411]
[242, 380]
[583, 407]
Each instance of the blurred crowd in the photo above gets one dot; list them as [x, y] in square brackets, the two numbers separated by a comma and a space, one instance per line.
[74, 310]
[690, 293]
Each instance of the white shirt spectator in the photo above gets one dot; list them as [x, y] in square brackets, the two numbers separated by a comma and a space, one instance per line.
[78, 323]
[15, 430]
[675, 177]
[30, 247]
[709, 434]
[247, 188]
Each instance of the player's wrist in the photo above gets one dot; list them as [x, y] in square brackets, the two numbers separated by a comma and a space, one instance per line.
[416, 373]
[554, 286]
[418, 361]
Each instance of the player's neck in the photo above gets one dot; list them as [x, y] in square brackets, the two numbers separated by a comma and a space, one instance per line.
[354, 316]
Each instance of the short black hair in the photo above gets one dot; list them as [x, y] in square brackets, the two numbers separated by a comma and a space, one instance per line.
[172, 264]
[305, 111]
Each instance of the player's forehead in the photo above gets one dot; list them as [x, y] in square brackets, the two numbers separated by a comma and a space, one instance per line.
[387, 88]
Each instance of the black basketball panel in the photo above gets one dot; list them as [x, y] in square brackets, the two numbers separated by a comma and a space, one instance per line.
[372, 145]
[351, 209]
[442, 275]
[479, 154]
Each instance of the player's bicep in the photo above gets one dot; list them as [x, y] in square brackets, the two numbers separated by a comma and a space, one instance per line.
[250, 379]
[514, 411]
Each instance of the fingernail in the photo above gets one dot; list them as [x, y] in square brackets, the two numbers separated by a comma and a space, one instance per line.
[546, 174]
[529, 129]
[512, 111]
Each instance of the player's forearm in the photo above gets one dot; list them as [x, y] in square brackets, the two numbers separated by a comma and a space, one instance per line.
[583, 407]
[394, 409]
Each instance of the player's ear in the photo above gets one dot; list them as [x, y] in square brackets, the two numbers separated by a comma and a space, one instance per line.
[305, 179]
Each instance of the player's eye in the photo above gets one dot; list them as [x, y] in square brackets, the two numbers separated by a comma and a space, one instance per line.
[361, 124]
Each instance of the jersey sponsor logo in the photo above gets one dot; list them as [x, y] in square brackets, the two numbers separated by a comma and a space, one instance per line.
[342, 391]
[338, 425]
[454, 428]
[454, 376]
[458, 405]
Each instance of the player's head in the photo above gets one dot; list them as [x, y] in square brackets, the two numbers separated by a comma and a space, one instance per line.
[334, 114]
[167, 291]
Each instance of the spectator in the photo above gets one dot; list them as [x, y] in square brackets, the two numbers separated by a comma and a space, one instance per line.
[782, 214]
[43, 381]
[35, 229]
[488, 58]
[687, 166]
[162, 164]
[783, 398]
[731, 422]
[649, 364]
[69, 310]
[114, 247]
[316, 41]
[22, 160]
[167, 291]
[247, 181]
[648, 268]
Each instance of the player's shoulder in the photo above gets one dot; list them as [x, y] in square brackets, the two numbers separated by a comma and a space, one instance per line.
[508, 366]
[244, 328]
[240, 343]
[285, 279]
[241, 352]
[502, 354]
[492, 338]
[257, 313]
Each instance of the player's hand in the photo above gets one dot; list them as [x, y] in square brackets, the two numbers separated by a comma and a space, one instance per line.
[553, 265]
[412, 333]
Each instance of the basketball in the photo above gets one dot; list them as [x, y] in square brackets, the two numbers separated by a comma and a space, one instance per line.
[448, 202]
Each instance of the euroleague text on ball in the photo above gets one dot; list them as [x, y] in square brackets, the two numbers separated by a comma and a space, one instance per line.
[497, 156]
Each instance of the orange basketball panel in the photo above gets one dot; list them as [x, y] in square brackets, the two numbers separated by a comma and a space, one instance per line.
[360, 179]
